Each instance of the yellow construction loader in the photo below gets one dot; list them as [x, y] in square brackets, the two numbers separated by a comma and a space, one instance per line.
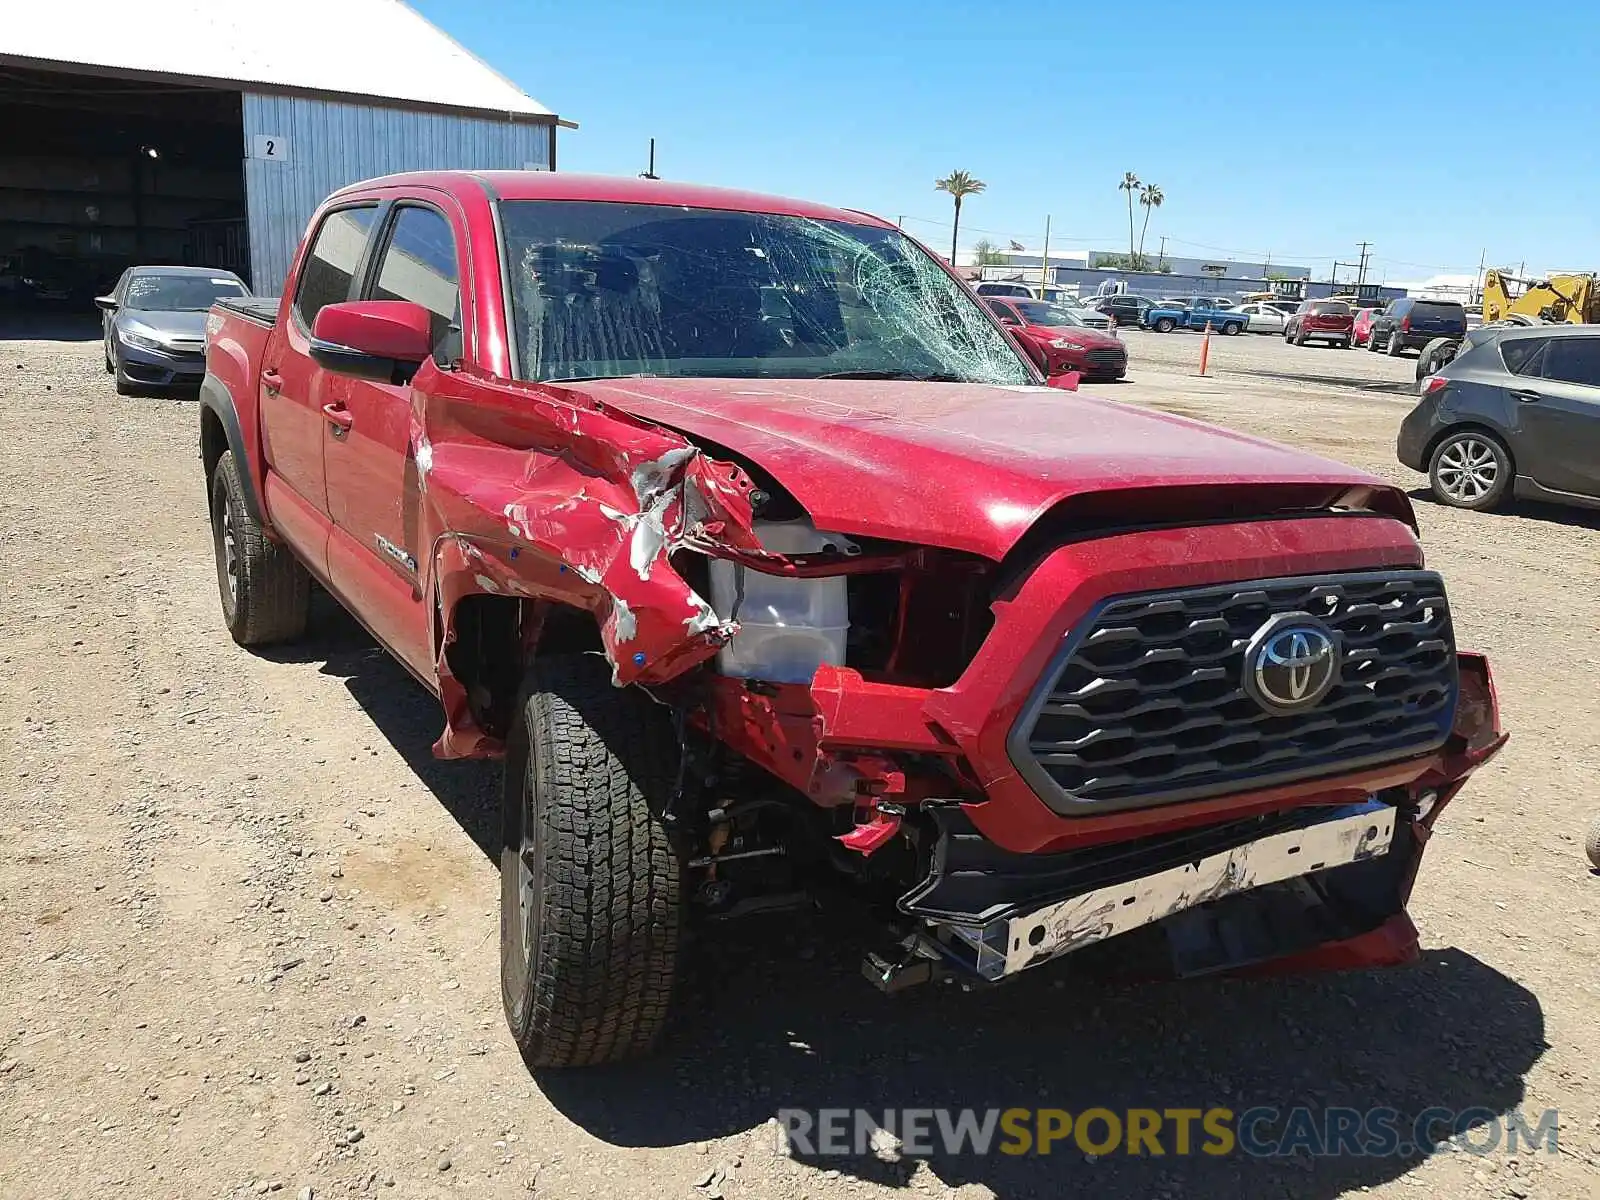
[1554, 300]
[1507, 300]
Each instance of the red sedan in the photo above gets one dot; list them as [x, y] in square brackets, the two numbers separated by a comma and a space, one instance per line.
[1058, 342]
[1362, 329]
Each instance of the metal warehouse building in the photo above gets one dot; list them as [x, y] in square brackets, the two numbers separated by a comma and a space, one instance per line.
[204, 132]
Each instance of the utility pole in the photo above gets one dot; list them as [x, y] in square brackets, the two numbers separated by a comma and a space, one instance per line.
[900, 221]
[1477, 284]
[651, 172]
[1044, 262]
[1162, 257]
[1361, 271]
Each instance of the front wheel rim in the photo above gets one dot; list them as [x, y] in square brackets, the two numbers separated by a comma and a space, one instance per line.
[1468, 470]
[230, 553]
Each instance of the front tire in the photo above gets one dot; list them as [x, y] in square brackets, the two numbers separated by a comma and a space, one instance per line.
[1591, 845]
[592, 892]
[125, 385]
[265, 592]
[1470, 469]
[1232, 329]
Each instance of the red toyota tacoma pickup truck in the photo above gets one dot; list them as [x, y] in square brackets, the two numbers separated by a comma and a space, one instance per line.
[747, 536]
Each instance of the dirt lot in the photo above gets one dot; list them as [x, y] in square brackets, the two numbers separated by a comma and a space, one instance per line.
[251, 926]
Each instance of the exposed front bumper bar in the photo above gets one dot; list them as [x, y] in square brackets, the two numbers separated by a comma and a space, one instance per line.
[1008, 945]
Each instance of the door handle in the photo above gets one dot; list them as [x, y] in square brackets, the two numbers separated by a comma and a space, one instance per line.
[1524, 395]
[340, 417]
[272, 381]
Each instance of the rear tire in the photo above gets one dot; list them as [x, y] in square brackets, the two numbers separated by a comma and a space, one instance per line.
[592, 892]
[1397, 344]
[1591, 844]
[1470, 469]
[1166, 325]
[1300, 338]
[1436, 356]
[265, 592]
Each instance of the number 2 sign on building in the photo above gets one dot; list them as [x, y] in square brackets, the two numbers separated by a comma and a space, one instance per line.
[269, 146]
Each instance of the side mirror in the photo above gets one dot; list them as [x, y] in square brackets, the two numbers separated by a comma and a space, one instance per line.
[1067, 381]
[106, 303]
[382, 340]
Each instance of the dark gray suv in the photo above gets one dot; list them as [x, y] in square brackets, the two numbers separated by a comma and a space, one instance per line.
[1517, 412]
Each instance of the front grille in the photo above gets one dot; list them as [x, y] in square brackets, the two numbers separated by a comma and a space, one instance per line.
[1145, 702]
[1107, 358]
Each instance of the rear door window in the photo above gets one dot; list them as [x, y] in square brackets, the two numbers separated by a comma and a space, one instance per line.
[1523, 356]
[330, 266]
[1574, 360]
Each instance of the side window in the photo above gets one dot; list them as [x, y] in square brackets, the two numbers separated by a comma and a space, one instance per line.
[419, 264]
[331, 265]
[1523, 356]
[1574, 360]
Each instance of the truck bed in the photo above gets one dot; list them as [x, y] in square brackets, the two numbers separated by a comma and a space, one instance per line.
[263, 310]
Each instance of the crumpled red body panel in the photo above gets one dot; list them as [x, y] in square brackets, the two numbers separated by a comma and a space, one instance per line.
[538, 493]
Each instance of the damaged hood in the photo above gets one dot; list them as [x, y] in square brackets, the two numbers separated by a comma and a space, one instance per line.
[964, 466]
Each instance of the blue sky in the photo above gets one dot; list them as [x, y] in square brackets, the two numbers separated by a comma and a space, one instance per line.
[1295, 128]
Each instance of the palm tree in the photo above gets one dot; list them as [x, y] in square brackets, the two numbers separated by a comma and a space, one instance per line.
[1130, 184]
[959, 184]
[1151, 197]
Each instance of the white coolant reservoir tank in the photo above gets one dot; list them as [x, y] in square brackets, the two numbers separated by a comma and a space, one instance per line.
[787, 627]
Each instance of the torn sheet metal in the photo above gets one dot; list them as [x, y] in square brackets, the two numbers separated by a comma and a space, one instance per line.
[539, 492]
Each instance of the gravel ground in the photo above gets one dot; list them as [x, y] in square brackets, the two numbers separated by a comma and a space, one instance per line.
[251, 926]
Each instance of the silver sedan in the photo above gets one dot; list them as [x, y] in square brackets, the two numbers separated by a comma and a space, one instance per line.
[1264, 318]
[155, 324]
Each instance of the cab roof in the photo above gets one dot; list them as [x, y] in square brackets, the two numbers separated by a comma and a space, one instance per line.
[616, 189]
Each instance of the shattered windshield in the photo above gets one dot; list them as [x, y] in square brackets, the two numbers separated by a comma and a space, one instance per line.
[603, 289]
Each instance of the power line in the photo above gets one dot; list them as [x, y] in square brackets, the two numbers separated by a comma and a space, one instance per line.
[1288, 257]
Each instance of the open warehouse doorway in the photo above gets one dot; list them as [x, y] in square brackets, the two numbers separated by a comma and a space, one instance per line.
[98, 173]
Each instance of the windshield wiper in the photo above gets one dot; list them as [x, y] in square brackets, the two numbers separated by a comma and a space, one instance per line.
[594, 378]
[919, 378]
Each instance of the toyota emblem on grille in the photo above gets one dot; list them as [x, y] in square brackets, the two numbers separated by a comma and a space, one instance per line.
[1291, 663]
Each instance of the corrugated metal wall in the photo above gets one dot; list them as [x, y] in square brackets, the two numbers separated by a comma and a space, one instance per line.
[331, 144]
